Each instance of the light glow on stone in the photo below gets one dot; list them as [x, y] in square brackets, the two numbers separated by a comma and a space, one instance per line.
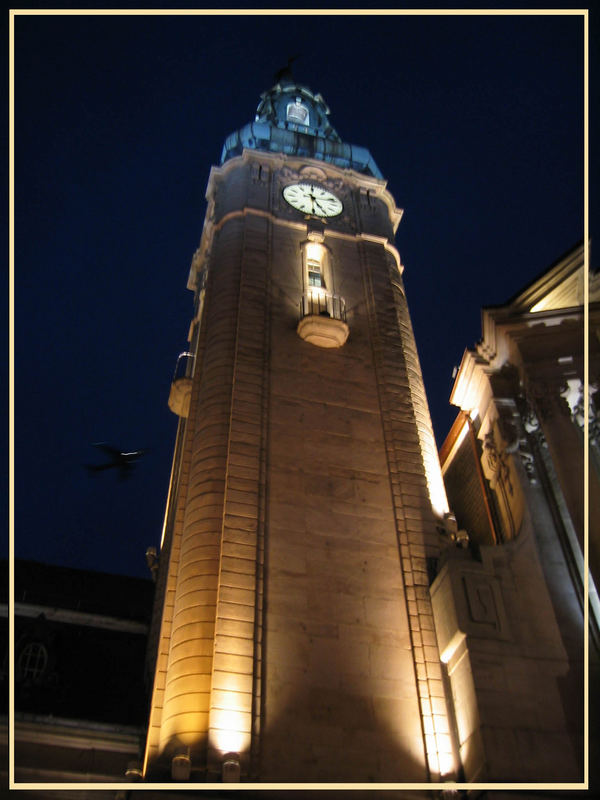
[227, 739]
[435, 484]
[315, 251]
[230, 719]
[446, 764]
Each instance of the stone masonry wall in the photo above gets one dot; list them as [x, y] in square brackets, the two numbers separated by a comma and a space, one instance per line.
[341, 691]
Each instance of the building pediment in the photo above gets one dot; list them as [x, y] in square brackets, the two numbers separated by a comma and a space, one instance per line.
[557, 295]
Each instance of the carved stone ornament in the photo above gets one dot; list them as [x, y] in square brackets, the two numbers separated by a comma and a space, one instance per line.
[573, 394]
[531, 422]
[288, 174]
[545, 399]
[509, 434]
[481, 601]
[527, 461]
[312, 173]
[528, 426]
[498, 470]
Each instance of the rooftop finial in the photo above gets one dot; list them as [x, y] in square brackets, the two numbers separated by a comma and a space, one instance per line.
[284, 75]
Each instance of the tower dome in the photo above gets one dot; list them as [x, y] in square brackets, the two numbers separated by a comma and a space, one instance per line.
[291, 119]
[291, 106]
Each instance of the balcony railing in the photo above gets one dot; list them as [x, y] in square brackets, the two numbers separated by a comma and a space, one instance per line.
[323, 304]
[184, 367]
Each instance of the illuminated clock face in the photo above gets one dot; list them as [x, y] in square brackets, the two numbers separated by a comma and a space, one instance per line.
[313, 200]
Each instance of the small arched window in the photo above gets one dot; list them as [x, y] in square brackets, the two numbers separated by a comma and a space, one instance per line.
[32, 662]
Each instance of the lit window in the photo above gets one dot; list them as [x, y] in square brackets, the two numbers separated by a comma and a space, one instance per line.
[315, 276]
[316, 267]
[33, 661]
[296, 112]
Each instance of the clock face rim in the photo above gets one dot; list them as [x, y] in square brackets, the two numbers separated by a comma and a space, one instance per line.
[296, 205]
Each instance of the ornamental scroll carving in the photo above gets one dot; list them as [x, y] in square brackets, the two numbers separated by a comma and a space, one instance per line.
[533, 431]
[497, 471]
[503, 447]
[494, 461]
[573, 393]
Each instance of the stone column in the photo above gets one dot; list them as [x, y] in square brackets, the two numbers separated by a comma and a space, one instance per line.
[564, 442]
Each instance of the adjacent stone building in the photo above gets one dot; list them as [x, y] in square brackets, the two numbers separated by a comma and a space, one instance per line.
[509, 607]
[79, 696]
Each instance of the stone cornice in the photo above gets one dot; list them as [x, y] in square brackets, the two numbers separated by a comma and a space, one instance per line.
[72, 617]
[210, 227]
[77, 734]
[553, 297]
[472, 390]
[498, 326]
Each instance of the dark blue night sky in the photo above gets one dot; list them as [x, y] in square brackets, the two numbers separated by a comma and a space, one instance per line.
[476, 122]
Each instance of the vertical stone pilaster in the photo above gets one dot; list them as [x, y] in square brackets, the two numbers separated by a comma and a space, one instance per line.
[158, 750]
[564, 443]
[414, 518]
[206, 698]
[429, 453]
[165, 591]
[235, 680]
[195, 555]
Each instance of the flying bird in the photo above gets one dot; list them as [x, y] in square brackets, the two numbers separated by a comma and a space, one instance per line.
[120, 460]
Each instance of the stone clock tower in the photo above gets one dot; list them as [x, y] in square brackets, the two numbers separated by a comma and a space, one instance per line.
[294, 637]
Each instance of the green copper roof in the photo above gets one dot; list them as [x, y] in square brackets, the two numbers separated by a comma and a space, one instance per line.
[291, 119]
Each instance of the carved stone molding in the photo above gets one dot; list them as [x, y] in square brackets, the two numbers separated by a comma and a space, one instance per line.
[323, 331]
[312, 173]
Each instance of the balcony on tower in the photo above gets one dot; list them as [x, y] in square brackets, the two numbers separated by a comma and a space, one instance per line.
[322, 312]
[181, 385]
